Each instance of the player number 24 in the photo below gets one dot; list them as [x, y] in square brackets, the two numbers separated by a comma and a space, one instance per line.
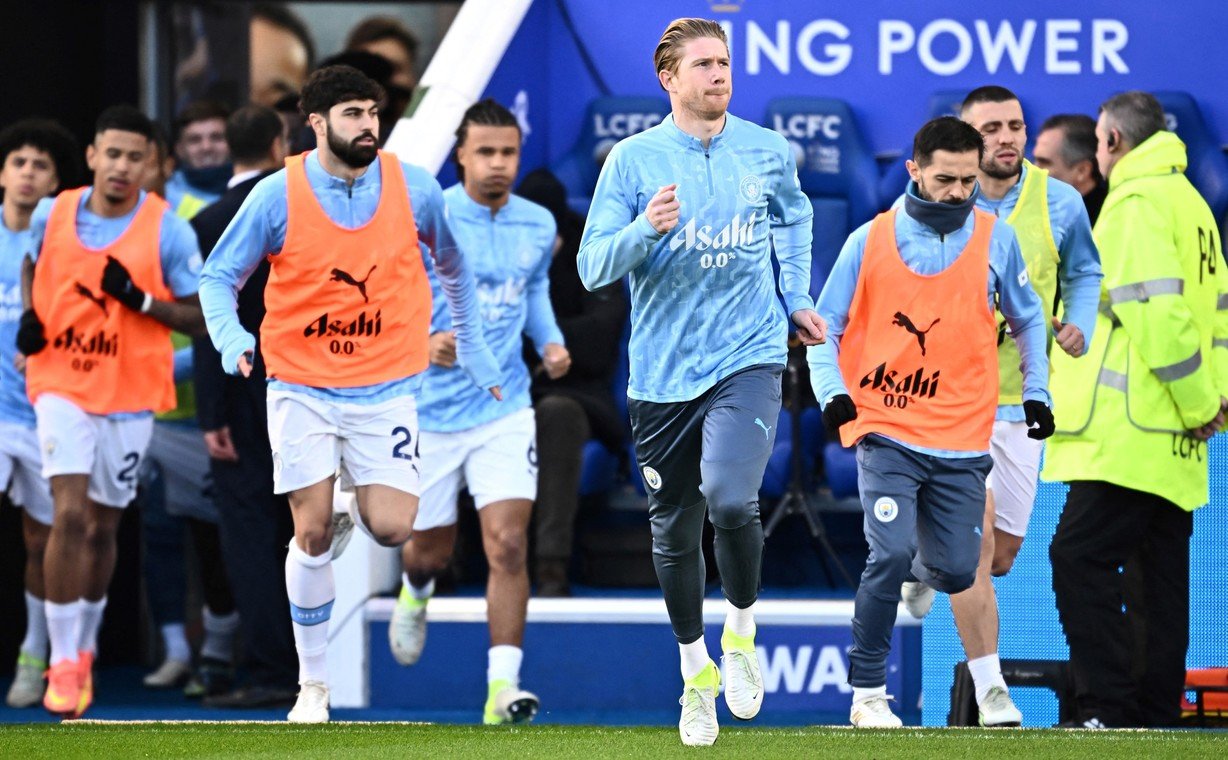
[398, 450]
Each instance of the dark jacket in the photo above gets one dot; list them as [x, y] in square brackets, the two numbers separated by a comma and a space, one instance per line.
[592, 325]
[219, 395]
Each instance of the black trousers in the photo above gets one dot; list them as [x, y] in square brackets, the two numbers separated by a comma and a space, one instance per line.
[1103, 528]
[562, 431]
[256, 529]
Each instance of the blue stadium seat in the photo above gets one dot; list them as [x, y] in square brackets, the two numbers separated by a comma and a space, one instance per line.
[1208, 167]
[609, 119]
[836, 168]
[598, 469]
[895, 178]
[840, 465]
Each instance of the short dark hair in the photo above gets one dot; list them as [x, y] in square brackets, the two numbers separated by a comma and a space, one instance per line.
[378, 28]
[1078, 138]
[49, 137]
[487, 112]
[1137, 115]
[330, 85]
[199, 110]
[990, 93]
[251, 132]
[125, 118]
[946, 133]
[280, 16]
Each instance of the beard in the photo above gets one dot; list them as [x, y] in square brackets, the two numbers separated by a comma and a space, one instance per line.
[351, 153]
[993, 169]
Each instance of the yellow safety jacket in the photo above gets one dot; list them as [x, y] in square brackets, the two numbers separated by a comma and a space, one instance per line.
[185, 392]
[1030, 220]
[1158, 362]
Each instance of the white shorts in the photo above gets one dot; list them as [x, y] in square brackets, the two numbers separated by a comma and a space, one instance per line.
[178, 449]
[110, 451]
[314, 439]
[21, 471]
[1016, 465]
[497, 461]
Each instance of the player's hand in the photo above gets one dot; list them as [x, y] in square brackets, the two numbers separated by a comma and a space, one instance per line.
[662, 210]
[245, 364]
[1204, 432]
[117, 283]
[30, 336]
[811, 328]
[556, 359]
[1069, 337]
[1039, 414]
[838, 411]
[497, 392]
[443, 348]
[220, 446]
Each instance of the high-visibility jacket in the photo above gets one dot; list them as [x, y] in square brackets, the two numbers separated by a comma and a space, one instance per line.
[1030, 219]
[1158, 363]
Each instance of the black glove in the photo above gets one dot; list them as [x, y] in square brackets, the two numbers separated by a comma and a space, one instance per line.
[30, 337]
[117, 283]
[1039, 414]
[839, 410]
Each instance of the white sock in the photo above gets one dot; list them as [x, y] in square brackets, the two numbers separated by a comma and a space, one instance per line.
[503, 664]
[694, 658]
[91, 621]
[310, 586]
[63, 626]
[420, 593]
[740, 621]
[861, 693]
[986, 673]
[35, 642]
[219, 635]
[175, 641]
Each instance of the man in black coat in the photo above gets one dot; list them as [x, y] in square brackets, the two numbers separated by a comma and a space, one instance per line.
[580, 405]
[255, 524]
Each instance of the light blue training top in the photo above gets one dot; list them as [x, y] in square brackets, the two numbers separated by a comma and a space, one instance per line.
[703, 298]
[510, 254]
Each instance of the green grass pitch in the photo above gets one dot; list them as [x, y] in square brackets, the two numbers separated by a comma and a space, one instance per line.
[399, 740]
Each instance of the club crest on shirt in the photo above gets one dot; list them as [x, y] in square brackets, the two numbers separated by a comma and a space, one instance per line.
[885, 509]
[652, 478]
[751, 188]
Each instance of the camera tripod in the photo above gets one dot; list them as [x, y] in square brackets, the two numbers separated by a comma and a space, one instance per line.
[795, 500]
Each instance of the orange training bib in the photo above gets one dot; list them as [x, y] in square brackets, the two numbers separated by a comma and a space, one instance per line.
[101, 355]
[347, 308]
[920, 354]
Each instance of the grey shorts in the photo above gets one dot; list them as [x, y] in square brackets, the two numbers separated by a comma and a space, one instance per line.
[733, 422]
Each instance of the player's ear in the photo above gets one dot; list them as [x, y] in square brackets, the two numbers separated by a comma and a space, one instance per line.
[663, 77]
[914, 171]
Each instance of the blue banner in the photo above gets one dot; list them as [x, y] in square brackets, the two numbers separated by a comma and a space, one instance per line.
[628, 673]
[884, 57]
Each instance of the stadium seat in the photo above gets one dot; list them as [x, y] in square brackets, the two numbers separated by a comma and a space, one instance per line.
[836, 168]
[609, 119]
[598, 469]
[1208, 166]
[779, 468]
[895, 178]
[840, 466]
